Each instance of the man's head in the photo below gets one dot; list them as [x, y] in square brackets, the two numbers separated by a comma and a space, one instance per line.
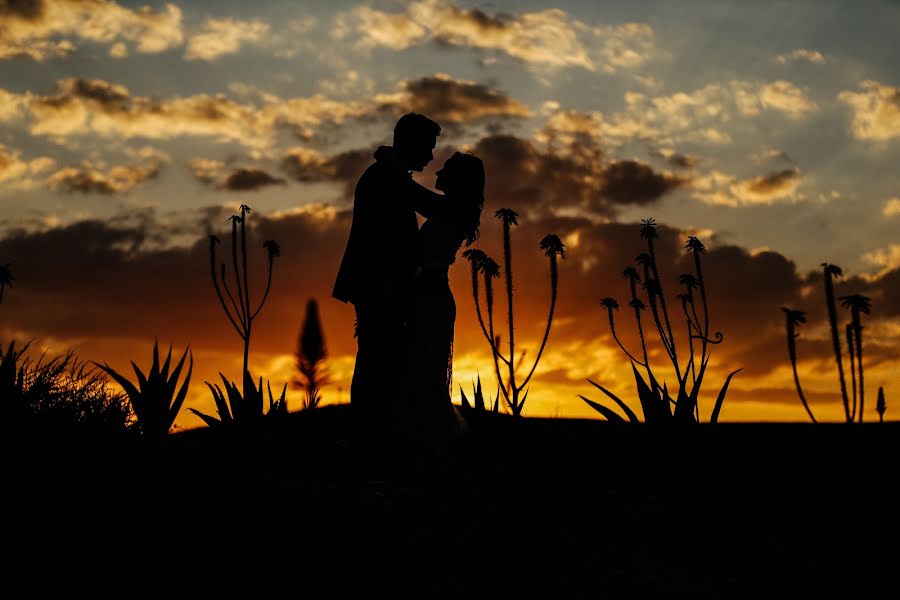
[415, 136]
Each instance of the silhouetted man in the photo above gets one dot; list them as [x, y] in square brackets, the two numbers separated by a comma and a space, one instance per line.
[376, 276]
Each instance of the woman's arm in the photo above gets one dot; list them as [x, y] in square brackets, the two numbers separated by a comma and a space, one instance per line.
[425, 202]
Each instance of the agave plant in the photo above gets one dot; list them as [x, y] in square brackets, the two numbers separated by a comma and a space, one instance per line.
[478, 400]
[242, 409]
[154, 400]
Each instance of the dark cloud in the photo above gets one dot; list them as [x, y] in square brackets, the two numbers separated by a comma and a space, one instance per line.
[632, 182]
[773, 183]
[27, 10]
[452, 101]
[250, 178]
[677, 159]
[344, 168]
[496, 22]
[87, 180]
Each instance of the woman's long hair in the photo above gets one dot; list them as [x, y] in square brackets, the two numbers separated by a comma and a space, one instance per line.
[466, 174]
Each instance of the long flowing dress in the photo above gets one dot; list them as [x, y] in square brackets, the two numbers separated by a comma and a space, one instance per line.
[437, 424]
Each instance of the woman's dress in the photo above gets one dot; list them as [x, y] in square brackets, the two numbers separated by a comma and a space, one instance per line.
[437, 424]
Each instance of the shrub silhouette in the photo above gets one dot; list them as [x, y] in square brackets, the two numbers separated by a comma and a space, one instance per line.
[484, 265]
[154, 400]
[880, 405]
[854, 401]
[656, 402]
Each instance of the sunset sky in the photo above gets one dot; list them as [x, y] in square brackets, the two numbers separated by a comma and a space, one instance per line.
[130, 132]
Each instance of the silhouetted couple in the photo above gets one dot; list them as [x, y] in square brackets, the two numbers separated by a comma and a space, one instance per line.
[396, 276]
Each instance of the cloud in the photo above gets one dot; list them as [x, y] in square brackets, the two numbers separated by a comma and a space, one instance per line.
[723, 189]
[548, 38]
[702, 115]
[891, 208]
[90, 178]
[308, 166]
[771, 185]
[450, 100]
[543, 179]
[377, 28]
[219, 175]
[96, 107]
[813, 56]
[632, 182]
[676, 159]
[42, 29]
[17, 173]
[876, 111]
[219, 37]
[786, 97]
[250, 178]
[886, 259]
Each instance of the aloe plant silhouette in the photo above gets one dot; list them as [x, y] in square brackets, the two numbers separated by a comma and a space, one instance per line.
[831, 271]
[482, 264]
[792, 319]
[245, 409]
[857, 304]
[656, 402]
[244, 314]
[154, 400]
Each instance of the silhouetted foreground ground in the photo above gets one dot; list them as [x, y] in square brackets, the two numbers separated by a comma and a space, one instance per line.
[544, 508]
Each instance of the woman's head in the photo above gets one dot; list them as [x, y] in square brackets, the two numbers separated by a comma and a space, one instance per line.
[461, 175]
[462, 178]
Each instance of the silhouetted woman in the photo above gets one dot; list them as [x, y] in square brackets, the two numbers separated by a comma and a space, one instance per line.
[437, 425]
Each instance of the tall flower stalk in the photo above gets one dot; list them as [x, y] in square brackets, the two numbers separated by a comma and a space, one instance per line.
[857, 305]
[514, 392]
[792, 319]
[239, 311]
[830, 272]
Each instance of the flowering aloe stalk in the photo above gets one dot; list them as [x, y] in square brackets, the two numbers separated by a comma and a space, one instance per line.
[243, 314]
[655, 399]
[482, 264]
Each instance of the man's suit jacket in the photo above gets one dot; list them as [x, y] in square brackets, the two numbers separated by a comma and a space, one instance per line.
[380, 253]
